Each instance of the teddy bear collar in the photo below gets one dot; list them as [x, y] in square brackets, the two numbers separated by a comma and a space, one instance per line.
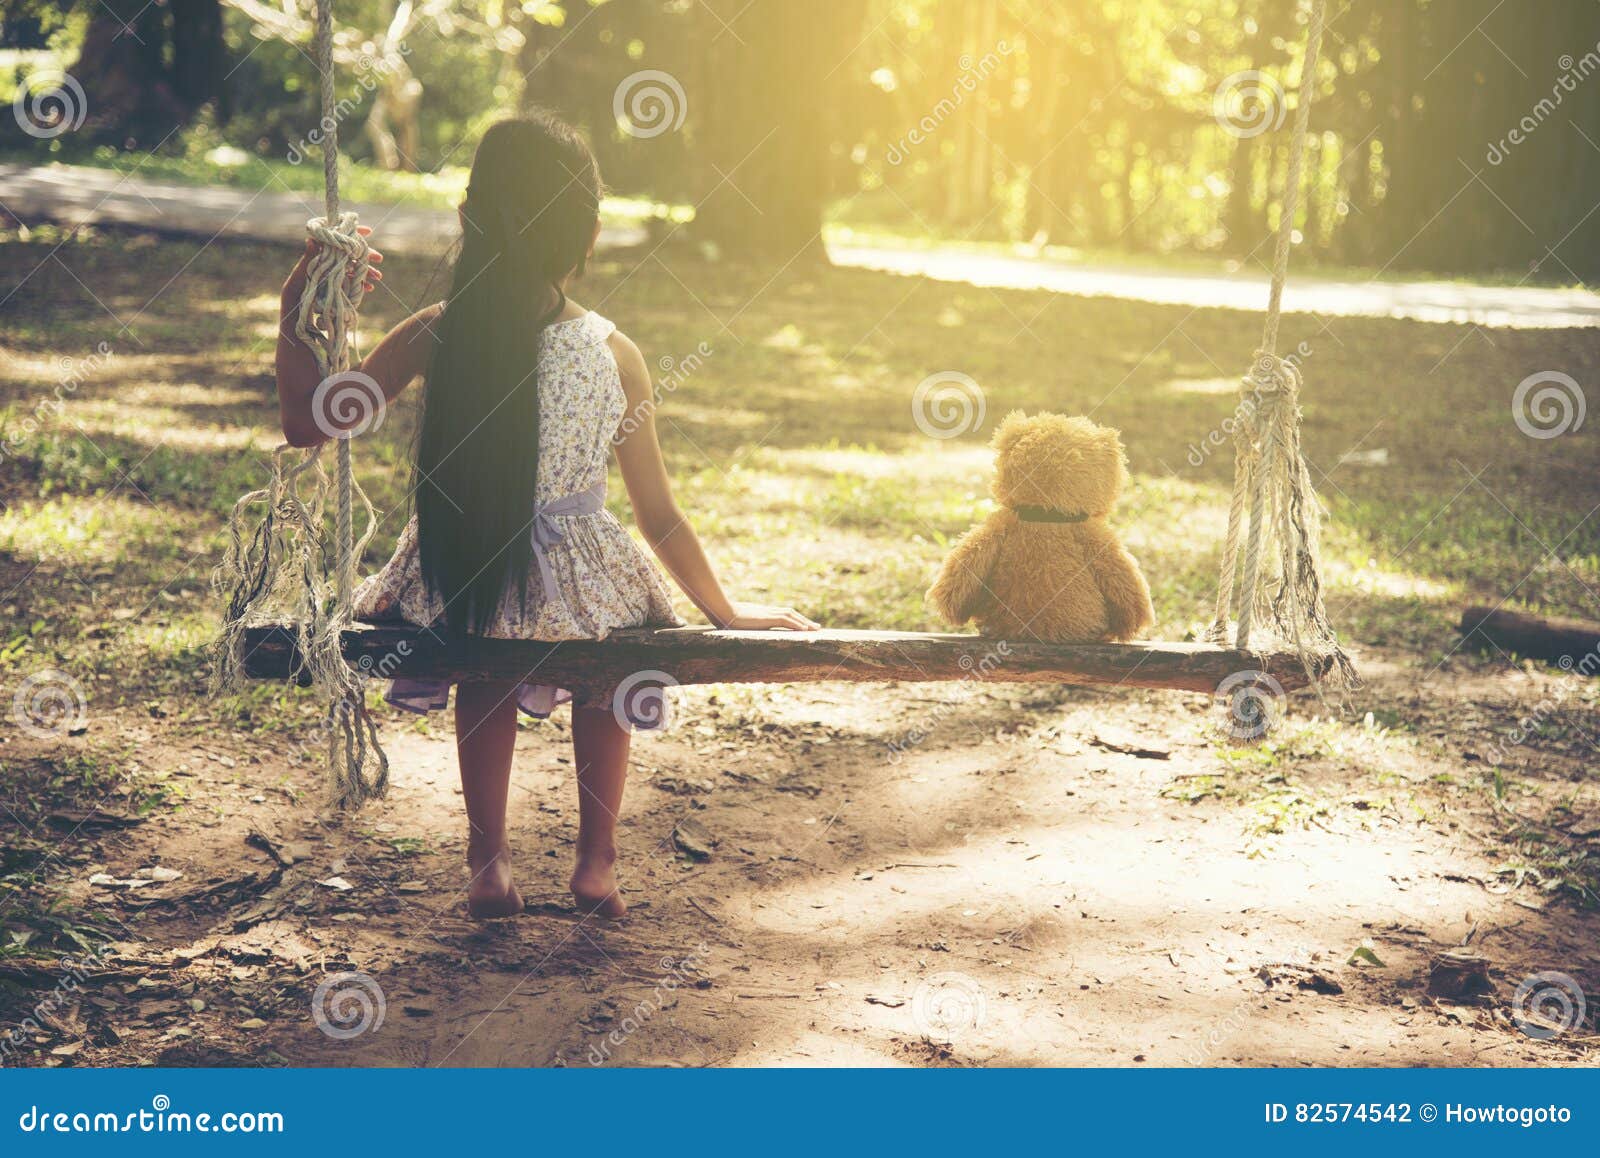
[1048, 515]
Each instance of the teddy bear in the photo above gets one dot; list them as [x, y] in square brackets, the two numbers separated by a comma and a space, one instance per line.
[1046, 566]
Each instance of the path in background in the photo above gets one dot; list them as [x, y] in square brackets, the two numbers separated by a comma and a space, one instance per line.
[82, 195]
[78, 195]
[1515, 307]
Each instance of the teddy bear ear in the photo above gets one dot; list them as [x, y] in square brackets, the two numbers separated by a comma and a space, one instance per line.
[1012, 427]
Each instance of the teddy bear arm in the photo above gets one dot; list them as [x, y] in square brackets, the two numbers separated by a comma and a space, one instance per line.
[961, 589]
[1127, 595]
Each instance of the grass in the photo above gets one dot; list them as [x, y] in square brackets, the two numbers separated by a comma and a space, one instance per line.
[1298, 775]
[39, 861]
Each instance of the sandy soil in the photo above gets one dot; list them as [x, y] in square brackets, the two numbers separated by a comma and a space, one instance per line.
[1029, 885]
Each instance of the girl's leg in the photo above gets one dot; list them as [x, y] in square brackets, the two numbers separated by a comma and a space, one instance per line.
[486, 735]
[600, 748]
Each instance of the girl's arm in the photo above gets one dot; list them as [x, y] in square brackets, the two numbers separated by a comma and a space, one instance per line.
[394, 364]
[661, 522]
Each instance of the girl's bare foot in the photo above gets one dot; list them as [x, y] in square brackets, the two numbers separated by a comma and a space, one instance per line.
[594, 884]
[491, 893]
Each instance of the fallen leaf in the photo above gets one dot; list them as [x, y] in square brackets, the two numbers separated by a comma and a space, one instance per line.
[107, 881]
[92, 818]
[682, 785]
[693, 839]
[1116, 740]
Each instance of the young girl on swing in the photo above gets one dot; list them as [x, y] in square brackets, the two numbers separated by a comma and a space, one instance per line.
[524, 397]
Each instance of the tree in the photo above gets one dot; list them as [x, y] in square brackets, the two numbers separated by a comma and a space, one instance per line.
[147, 69]
[763, 131]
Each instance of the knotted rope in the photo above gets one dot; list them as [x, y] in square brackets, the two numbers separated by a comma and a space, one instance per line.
[1270, 473]
[280, 571]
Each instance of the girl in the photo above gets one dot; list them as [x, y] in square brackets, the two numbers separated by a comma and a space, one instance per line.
[524, 394]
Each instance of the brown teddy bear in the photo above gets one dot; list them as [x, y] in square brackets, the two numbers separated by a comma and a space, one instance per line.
[1046, 566]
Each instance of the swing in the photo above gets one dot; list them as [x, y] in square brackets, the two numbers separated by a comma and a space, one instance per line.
[284, 622]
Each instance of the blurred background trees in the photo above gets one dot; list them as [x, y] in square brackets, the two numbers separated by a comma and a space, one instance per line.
[1452, 135]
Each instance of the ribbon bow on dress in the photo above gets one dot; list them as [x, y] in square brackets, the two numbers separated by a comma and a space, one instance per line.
[547, 532]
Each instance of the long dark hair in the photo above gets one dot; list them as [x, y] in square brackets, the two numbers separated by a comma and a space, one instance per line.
[527, 222]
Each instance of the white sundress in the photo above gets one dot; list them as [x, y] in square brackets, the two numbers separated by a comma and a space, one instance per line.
[582, 555]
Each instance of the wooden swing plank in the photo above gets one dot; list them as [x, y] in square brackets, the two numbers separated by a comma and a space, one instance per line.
[702, 655]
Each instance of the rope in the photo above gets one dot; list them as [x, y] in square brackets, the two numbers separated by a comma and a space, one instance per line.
[1270, 477]
[330, 184]
[281, 566]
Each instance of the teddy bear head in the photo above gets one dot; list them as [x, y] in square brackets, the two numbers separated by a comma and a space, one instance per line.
[1064, 464]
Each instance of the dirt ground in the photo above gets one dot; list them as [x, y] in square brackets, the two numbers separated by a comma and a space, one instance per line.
[1025, 887]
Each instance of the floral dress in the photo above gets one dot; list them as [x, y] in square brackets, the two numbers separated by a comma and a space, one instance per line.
[588, 575]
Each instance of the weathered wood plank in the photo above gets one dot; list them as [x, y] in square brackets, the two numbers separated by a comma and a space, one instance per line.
[700, 655]
[1572, 643]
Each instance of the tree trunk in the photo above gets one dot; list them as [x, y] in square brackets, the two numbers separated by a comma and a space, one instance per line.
[1572, 643]
[763, 133]
[146, 69]
[392, 126]
[1047, 217]
[982, 173]
[198, 52]
[1241, 220]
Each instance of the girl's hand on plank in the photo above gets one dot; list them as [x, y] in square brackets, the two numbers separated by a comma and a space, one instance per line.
[758, 617]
